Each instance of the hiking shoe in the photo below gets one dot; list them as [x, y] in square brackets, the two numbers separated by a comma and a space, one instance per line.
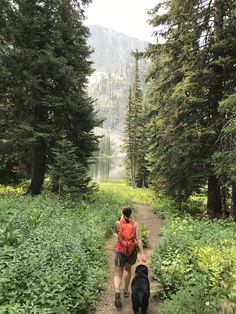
[117, 300]
[126, 294]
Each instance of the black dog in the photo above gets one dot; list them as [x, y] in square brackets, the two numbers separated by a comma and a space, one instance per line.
[140, 287]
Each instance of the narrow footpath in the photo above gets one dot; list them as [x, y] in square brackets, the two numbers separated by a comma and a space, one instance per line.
[106, 304]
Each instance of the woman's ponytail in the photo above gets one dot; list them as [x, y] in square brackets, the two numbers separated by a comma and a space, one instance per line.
[127, 211]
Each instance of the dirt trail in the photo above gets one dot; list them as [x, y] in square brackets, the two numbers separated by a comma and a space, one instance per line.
[106, 304]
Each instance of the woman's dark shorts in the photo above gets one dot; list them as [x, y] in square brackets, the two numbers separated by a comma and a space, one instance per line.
[121, 260]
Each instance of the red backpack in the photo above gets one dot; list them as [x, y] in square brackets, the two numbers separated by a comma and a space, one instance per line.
[126, 237]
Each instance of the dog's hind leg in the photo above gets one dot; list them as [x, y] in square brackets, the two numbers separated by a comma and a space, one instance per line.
[144, 307]
[136, 310]
[135, 303]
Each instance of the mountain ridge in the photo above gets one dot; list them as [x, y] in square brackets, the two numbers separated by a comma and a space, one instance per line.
[112, 49]
[109, 85]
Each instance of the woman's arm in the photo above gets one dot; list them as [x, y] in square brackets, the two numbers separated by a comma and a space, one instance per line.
[117, 226]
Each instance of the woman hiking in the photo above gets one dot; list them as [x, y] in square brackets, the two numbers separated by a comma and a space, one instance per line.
[129, 241]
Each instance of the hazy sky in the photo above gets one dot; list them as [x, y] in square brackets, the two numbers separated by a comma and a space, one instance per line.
[125, 16]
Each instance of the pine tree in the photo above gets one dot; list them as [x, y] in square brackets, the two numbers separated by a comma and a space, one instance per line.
[139, 131]
[69, 174]
[225, 160]
[190, 75]
[135, 132]
[46, 88]
[128, 140]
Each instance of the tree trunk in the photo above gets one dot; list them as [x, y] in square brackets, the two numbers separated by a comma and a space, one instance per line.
[224, 194]
[214, 205]
[218, 19]
[39, 168]
[55, 185]
[233, 201]
[133, 175]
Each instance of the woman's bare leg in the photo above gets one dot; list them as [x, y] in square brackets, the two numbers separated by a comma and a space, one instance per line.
[127, 276]
[117, 283]
[118, 277]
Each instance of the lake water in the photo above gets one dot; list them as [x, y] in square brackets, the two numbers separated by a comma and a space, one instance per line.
[107, 169]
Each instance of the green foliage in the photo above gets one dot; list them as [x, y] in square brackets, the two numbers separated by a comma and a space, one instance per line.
[52, 256]
[144, 234]
[9, 235]
[140, 196]
[167, 208]
[43, 92]
[7, 173]
[135, 143]
[68, 174]
[9, 190]
[190, 300]
[191, 72]
[228, 295]
[195, 255]
[224, 160]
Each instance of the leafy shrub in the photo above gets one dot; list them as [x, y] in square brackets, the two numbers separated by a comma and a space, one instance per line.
[144, 234]
[58, 263]
[165, 207]
[55, 266]
[190, 300]
[227, 295]
[9, 235]
[191, 249]
[169, 208]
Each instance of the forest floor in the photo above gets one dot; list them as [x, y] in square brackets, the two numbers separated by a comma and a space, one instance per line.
[105, 305]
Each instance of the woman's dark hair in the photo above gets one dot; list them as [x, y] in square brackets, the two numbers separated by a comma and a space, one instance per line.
[127, 211]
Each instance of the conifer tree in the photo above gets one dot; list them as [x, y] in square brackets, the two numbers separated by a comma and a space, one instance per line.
[225, 160]
[70, 176]
[190, 75]
[135, 132]
[48, 66]
[129, 140]
[138, 126]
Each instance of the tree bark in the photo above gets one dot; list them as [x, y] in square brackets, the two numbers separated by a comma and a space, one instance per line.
[214, 204]
[39, 168]
[55, 185]
[233, 201]
[218, 19]
[133, 174]
[224, 194]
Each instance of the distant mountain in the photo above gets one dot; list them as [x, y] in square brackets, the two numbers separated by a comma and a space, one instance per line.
[112, 49]
[109, 85]
[114, 65]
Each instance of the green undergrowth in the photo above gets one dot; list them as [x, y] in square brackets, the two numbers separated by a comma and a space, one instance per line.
[52, 254]
[140, 196]
[168, 208]
[195, 263]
